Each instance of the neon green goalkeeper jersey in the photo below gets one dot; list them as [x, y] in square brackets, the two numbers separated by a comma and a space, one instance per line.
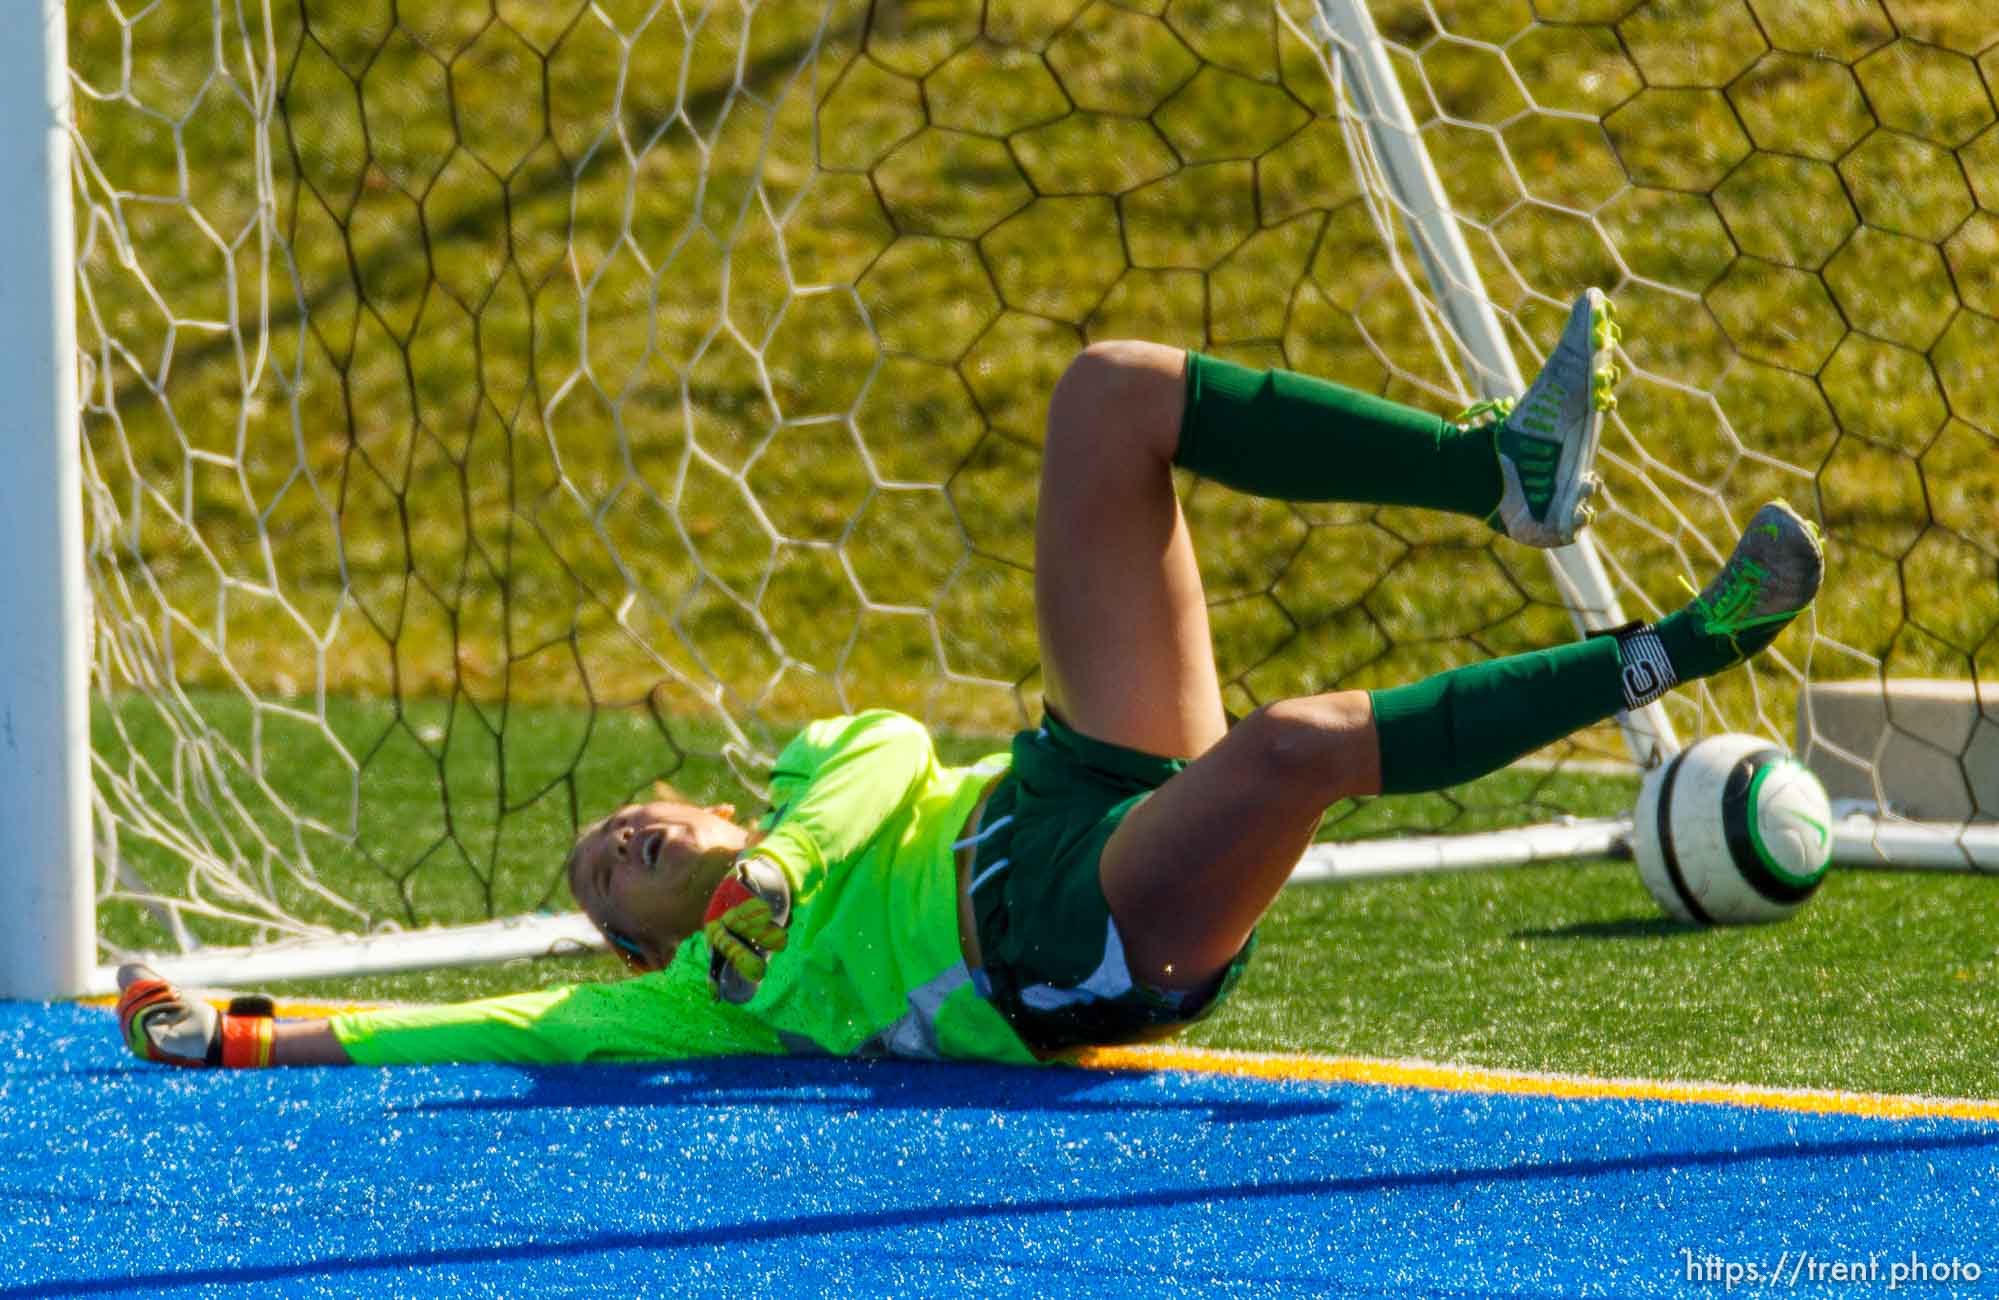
[862, 822]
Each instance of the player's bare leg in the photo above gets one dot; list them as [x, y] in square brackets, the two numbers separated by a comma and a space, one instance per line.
[1127, 658]
[1126, 655]
[1191, 870]
[1124, 633]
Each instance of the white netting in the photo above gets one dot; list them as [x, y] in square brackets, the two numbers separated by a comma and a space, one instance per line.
[493, 407]
[1792, 203]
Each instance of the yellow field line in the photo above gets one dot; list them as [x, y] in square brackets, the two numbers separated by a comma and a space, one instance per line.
[1461, 1078]
[1446, 1078]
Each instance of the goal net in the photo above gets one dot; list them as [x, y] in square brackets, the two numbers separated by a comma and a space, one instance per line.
[492, 408]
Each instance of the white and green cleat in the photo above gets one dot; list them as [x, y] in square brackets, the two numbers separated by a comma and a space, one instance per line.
[1547, 438]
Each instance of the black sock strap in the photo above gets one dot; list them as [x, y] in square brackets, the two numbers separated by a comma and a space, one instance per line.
[1645, 672]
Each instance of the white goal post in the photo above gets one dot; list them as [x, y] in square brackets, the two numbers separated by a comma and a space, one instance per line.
[1417, 199]
[655, 369]
[47, 941]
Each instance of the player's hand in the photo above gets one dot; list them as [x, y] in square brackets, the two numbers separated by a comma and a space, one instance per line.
[744, 924]
[160, 1024]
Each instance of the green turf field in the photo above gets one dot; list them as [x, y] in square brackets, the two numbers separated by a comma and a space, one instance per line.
[614, 389]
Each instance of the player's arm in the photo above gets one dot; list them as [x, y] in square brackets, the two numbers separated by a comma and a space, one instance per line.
[308, 1042]
[665, 1016]
[835, 787]
[160, 1023]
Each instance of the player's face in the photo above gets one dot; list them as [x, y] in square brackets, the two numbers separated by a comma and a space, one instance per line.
[645, 874]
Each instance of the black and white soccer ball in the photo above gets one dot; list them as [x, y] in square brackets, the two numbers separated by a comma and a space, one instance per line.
[1732, 829]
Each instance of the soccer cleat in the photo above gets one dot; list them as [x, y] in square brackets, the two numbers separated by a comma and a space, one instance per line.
[1546, 439]
[1770, 579]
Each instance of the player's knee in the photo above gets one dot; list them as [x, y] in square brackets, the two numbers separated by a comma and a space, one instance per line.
[1289, 740]
[1309, 743]
[1119, 388]
[1106, 375]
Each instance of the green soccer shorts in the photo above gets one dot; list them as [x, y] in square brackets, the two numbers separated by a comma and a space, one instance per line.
[1053, 961]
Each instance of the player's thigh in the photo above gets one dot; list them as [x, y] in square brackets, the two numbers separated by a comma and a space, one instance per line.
[1190, 871]
[1127, 655]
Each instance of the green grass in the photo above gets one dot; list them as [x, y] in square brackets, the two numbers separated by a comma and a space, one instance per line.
[412, 813]
[1574, 968]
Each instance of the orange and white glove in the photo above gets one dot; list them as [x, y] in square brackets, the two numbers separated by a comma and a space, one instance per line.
[744, 924]
[159, 1023]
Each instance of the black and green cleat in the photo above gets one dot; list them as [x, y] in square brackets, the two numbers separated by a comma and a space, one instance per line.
[1771, 578]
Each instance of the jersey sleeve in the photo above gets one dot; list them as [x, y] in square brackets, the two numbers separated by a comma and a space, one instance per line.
[668, 1015]
[835, 786]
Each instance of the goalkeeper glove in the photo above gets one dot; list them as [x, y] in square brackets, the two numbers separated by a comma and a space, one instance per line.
[744, 924]
[160, 1023]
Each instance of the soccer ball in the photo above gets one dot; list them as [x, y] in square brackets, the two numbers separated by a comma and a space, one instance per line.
[1732, 830]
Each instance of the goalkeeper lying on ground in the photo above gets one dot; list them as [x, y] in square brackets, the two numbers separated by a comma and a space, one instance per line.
[1102, 882]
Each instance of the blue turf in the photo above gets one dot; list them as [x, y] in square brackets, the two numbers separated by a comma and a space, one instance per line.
[772, 1177]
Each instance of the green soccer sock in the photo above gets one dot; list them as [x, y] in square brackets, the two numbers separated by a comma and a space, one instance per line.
[1694, 652]
[1273, 433]
[1469, 721]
